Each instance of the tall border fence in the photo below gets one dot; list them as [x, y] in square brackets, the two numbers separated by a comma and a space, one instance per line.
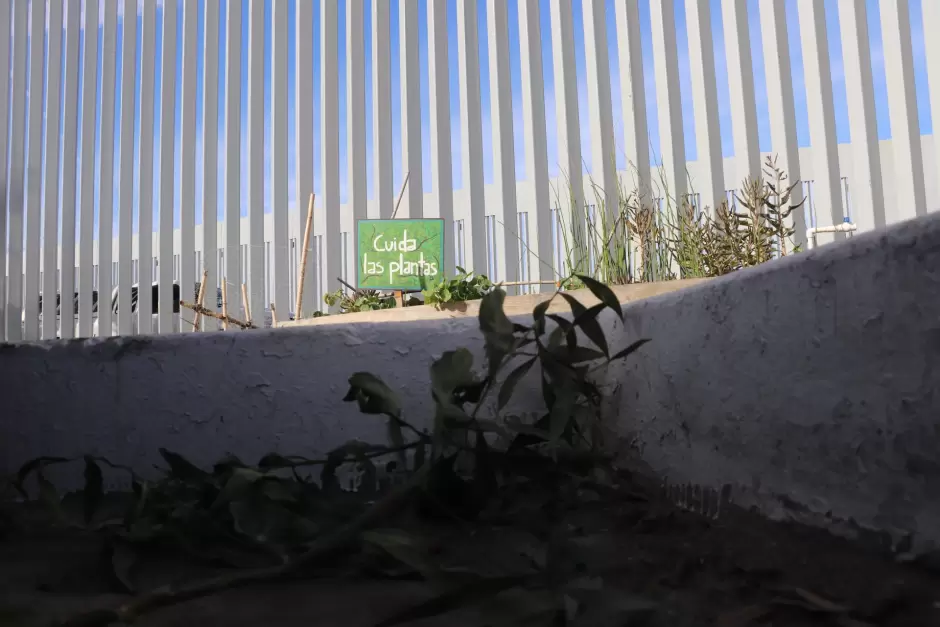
[227, 194]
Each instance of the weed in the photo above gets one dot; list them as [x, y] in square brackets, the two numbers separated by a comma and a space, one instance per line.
[463, 287]
[360, 300]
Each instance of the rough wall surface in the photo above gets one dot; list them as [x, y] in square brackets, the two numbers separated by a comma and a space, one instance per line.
[811, 385]
[244, 393]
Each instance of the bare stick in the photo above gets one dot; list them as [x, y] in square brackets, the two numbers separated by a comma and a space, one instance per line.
[201, 299]
[303, 259]
[273, 316]
[348, 286]
[245, 303]
[516, 283]
[401, 194]
[224, 305]
[226, 319]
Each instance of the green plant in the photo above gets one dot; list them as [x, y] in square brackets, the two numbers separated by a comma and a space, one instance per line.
[646, 238]
[463, 287]
[274, 521]
[761, 230]
[360, 300]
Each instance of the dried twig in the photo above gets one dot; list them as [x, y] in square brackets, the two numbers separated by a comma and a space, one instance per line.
[401, 194]
[225, 318]
[224, 305]
[200, 300]
[245, 303]
[343, 539]
[303, 259]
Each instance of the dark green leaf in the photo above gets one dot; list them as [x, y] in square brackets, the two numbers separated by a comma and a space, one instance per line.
[603, 293]
[33, 465]
[264, 522]
[471, 392]
[492, 317]
[181, 468]
[521, 428]
[373, 395]
[539, 433]
[451, 371]
[562, 411]
[123, 560]
[451, 600]
[141, 498]
[419, 457]
[340, 455]
[50, 498]
[538, 316]
[539, 312]
[484, 474]
[563, 323]
[586, 320]
[579, 354]
[277, 489]
[226, 465]
[497, 330]
[548, 392]
[405, 548]
[238, 486]
[395, 435]
[509, 385]
[94, 487]
[629, 350]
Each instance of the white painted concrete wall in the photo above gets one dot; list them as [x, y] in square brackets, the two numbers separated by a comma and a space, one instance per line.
[807, 386]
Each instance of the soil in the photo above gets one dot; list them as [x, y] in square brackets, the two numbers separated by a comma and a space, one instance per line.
[738, 570]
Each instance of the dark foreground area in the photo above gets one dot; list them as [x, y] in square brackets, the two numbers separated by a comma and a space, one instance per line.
[594, 555]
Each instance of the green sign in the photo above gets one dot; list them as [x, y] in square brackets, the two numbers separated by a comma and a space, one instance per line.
[396, 254]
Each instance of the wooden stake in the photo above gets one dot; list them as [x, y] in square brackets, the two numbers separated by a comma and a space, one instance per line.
[303, 260]
[517, 283]
[211, 314]
[273, 316]
[224, 305]
[245, 303]
[401, 194]
[201, 299]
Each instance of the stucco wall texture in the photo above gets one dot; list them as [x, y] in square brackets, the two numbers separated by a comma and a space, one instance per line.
[808, 387]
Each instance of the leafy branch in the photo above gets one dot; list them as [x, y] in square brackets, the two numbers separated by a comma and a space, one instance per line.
[476, 454]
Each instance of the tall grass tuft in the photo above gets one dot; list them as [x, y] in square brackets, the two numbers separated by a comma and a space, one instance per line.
[651, 236]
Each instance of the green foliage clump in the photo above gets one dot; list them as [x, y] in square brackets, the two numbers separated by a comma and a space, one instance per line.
[273, 521]
[646, 239]
[360, 300]
[761, 230]
[463, 287]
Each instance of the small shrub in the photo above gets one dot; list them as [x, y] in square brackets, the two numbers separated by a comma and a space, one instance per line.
[361, 300]
[465, 286]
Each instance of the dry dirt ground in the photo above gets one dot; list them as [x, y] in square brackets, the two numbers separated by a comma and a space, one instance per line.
[737, 570]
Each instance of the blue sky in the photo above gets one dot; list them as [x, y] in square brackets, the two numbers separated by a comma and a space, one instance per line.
[841, 105]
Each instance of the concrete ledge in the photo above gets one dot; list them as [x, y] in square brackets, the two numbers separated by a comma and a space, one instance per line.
[514, 306]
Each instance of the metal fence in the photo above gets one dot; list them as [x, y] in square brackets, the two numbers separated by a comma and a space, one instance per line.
[94, 89]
